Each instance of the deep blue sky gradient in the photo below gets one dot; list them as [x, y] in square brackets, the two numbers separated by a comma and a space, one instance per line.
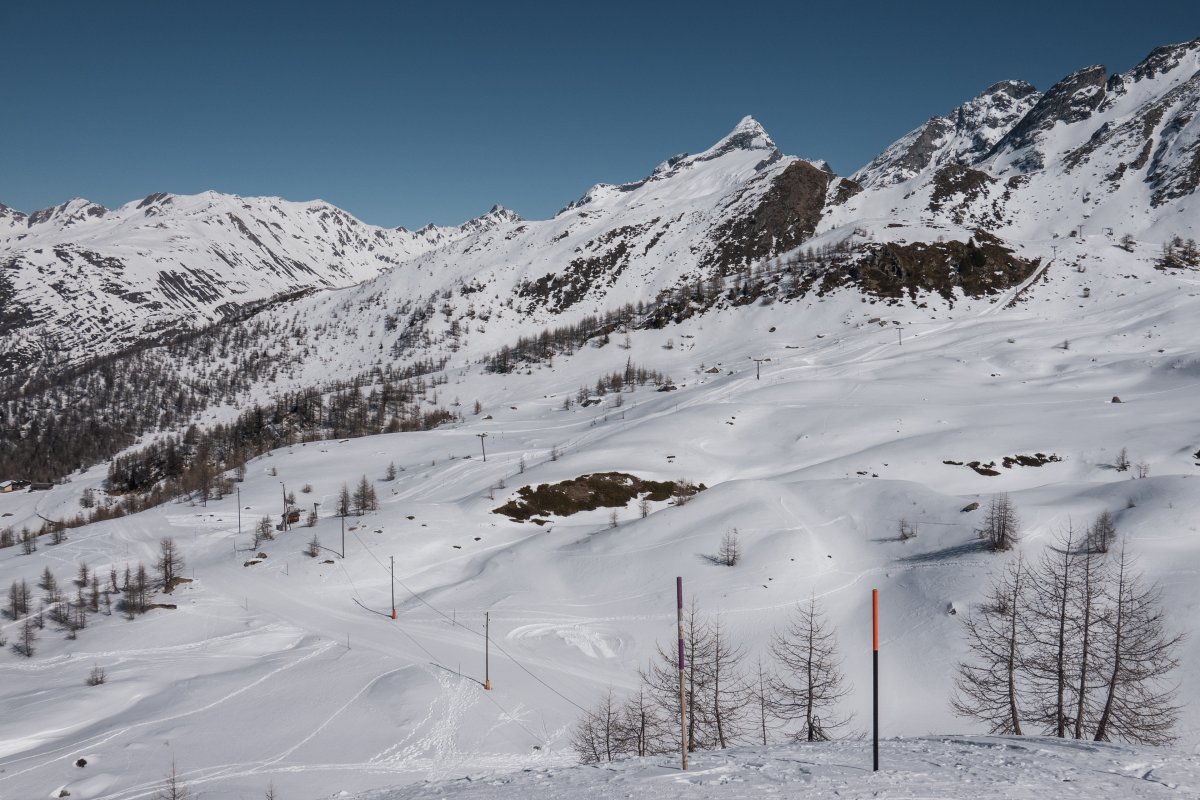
[404, 113]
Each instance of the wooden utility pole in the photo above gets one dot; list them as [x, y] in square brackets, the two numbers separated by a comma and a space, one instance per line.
[683, 737]
[285, 508]
[487, 646]
[239, 491]
[392, 561]
[343, 537]
[875, 673]
[482, 436]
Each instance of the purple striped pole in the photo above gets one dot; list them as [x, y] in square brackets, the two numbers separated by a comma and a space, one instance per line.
[683, 737]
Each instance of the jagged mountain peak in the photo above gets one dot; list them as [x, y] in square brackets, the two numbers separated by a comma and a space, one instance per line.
[965, 135]
[1073, 99]
[498, 215]
[11, 215]
[73, 211]
[1012, 89]
[748, 134]
[499, 212]
[1164, 59]
[747, 138]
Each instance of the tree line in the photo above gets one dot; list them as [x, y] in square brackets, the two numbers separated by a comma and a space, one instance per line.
[196, 464]
[56, 420]
[795, 696]
[93, 595]
[1075, 645]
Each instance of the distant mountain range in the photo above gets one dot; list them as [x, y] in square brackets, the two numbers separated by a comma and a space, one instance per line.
[1011, 170]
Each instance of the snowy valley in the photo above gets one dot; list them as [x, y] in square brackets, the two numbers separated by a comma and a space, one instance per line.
[1003, 302]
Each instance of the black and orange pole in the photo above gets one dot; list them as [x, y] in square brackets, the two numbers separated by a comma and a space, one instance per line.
[875, 673]
[683, 733]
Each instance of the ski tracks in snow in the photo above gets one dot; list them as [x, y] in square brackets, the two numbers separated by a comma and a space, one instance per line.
[437, 749]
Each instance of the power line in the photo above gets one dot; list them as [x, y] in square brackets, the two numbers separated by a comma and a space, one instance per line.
[457, 624]
[437, 663]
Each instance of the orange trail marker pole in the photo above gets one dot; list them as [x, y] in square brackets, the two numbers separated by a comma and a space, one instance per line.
[875, 667]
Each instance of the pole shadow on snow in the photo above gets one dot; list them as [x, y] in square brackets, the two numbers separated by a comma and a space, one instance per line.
[456, 673]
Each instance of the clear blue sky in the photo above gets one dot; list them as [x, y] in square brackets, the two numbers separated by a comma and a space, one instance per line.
[404, 113]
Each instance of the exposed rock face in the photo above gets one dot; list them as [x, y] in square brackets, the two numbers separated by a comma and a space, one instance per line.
[1164, 59]
[1073, 99]
[921, 151]
[979, 266]
[1174, 169]
[963, 137]
[786, 216]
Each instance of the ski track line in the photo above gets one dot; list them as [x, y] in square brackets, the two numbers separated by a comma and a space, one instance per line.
[100, 739]
[66, 658]
[385, 755]
[455, 701]
[334, 715]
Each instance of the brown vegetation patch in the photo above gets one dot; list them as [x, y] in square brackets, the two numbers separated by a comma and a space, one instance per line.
[1008, 462]
[1035, 460]
[979, 266]
[589, 492]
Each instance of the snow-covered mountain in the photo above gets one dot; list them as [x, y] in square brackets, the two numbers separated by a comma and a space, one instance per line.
[954, 209]
[1094, 154]
[945, 316]
[289, 669]
[963, 137]
[79, 280]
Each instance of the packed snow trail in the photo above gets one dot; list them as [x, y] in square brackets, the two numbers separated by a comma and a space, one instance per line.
[933, 768]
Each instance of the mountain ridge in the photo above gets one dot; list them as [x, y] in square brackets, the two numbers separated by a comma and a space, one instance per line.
[1120, 152]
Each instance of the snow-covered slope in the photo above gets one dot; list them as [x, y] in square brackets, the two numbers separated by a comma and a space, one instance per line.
[291, 670]
[79, 280]
[695, 221]
[938, 768]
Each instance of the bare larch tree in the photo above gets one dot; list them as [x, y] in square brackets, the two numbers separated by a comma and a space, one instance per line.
[1138, 701]
[810, 683]
[1000, 526]
[988, 685]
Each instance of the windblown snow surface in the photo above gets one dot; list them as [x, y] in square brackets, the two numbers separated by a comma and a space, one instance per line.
[291, 670]
[930, 768]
